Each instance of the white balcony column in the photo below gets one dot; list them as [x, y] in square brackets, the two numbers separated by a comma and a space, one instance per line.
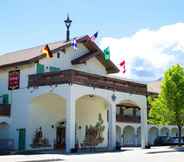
[144, 127]
[112, 126]
[70, 123]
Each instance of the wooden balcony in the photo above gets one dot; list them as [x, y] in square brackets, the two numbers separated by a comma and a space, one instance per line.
[86, 79]
[5, 109]
[128, 119]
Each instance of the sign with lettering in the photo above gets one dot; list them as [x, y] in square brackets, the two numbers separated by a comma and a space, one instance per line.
[14, 80]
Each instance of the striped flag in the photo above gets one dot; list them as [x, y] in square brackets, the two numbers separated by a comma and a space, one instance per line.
[46, 50]
[74, 44]
[94, 36]
[122, 66]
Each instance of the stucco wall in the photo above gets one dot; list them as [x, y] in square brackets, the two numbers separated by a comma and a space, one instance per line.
[64, 62]
[25, 70]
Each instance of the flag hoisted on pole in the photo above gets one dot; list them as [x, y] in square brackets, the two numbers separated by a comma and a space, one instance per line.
[46, 50]
[122, 65]
[106, 53]
[94, 36]
[74, 44]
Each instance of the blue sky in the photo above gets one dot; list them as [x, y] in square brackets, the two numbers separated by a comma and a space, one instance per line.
[29, 23]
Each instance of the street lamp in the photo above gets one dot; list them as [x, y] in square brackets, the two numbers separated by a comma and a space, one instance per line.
[68, 23]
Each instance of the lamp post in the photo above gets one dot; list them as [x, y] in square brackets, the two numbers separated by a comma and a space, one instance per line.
[68, 23]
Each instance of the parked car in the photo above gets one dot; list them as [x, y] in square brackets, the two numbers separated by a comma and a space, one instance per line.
[162, 141]
[175, 140]
[6, 146]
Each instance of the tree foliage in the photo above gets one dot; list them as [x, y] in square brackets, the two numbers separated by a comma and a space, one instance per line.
[168, 107]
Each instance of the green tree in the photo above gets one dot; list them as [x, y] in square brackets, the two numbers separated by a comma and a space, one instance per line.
[168, 107]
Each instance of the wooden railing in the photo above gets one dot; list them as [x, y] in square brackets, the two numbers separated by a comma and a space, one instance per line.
[86, 79]
[129, 119]
[5, 109]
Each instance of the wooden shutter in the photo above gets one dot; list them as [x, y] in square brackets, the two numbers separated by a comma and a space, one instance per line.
[5, 99]
[39, 68]
[53, 69]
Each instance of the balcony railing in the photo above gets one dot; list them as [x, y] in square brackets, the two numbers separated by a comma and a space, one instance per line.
[128, 119]
[86, 79]
[5, 109]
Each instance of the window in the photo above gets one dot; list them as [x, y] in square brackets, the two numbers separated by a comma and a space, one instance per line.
[58, 55]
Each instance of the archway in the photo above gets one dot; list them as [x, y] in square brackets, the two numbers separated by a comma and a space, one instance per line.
[174, 132]
[138, 136]
[152, 135]
[128, 136]
[118, 134]
[182, 132]
[128, 111]
[4, 130]
[91, 121]
[164, 131]
[47, 111]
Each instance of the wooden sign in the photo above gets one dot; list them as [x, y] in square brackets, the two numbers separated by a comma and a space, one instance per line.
[14, 80]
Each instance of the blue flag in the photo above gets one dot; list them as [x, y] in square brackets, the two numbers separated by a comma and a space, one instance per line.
[74, 44]
[94, 36]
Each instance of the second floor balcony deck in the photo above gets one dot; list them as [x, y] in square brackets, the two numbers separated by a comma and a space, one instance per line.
[128, 119]
[87, 79]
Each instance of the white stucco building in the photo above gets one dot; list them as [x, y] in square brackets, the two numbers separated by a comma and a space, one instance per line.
[70, 101]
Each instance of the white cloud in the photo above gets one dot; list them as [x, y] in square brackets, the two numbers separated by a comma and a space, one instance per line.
[148, 52]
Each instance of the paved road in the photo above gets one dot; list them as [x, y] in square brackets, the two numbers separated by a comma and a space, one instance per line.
[158, 154]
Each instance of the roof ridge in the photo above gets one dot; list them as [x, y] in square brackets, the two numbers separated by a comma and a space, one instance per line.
[42, 44]
[19, 50]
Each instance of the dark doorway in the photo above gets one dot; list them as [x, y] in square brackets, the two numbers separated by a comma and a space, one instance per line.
[60, 138]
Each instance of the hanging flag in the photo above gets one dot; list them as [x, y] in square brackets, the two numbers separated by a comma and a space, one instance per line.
[106, 53]
[94, 36]
[74, 44]
[46, 50]
[122, 65]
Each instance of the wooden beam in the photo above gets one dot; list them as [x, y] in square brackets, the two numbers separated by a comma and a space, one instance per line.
[82, 59]
[86, 79]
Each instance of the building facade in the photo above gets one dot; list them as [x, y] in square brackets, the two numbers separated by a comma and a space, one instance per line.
[69, 101]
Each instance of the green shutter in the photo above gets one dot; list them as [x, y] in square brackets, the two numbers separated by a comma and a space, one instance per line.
[5, 99]
[53, 69]
[39, 68]
[106, 54]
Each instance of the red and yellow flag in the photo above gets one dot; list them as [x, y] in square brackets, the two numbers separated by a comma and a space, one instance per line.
[46, 50]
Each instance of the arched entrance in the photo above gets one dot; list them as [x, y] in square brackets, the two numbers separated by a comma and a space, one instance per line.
[128, 112]
[164, 131]
[128, 136]
[139, 136]
[174, 132]
[4, 130]
[91, 121]
[46, 116]
[118, 135]
[152, 135]
[182, 132]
